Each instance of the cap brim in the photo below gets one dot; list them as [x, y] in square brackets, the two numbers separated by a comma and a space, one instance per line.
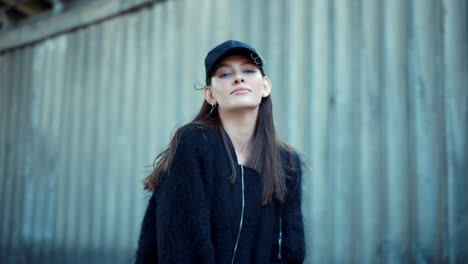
[236, 51]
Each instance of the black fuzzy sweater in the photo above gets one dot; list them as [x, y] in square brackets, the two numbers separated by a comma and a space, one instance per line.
[194, 215]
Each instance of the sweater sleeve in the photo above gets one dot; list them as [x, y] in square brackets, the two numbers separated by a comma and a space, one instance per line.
[146, 251]
[184, 234]
[293, 242]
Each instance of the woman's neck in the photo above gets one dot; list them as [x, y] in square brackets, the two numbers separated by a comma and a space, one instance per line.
[240, 127]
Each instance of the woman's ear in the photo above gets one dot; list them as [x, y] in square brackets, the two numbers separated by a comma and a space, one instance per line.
[209, 95]
[266, 87]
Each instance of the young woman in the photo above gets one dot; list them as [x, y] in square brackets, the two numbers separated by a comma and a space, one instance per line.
[226, 190]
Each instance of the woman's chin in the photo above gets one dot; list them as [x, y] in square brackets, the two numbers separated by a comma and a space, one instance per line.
[242, 108]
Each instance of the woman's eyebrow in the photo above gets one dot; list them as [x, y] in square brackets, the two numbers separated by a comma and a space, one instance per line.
[222, 65]
[230, 66]
[248, 62]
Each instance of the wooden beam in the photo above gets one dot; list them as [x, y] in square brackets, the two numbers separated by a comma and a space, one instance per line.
[76, 15]
[4, 20]
[26, 8]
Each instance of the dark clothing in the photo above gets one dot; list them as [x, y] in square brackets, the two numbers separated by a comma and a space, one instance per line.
[194, 214]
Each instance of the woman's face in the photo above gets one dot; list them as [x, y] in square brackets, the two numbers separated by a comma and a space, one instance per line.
[237, 84]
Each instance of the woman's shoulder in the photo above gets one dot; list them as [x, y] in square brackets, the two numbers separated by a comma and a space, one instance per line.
[290, 156]
[195, 135]
[292, 164]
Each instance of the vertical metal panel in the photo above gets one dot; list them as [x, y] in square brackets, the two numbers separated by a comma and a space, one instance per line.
[456, 126]
[127, 105]
[76, 127]
[278, 52]
[66, 148]
[319, 238]
[10, 130]
[142, 71]
[4, 148]
[33, 204]
[27, 158]
[255, 34]
[189, 77]
[342, 135]
[370, 132]
[55, 134]
[13, 125]
[428, 127]
[4, 112]
[113, 153]
[89, 108]
[397, 238]
[297, 66]
[101, 175]
[159, 126]
[375, 93]
[8, 147]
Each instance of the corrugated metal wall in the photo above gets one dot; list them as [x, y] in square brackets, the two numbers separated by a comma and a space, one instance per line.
[374, 92]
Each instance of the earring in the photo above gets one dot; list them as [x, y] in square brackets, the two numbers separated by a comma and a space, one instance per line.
[212, 108]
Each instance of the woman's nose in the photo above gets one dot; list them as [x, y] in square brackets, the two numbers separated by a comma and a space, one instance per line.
[238, 79]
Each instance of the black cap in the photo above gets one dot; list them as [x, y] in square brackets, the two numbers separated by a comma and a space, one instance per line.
[228, 48]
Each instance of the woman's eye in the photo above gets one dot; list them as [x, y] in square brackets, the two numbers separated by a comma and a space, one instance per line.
[224, 75]
[249, 71]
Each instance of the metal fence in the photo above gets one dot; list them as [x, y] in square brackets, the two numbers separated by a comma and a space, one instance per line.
[374, 92]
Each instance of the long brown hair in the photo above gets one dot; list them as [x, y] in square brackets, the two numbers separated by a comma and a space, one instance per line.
[265, 157]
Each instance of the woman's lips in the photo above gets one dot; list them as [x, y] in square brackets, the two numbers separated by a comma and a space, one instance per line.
[241, 91]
